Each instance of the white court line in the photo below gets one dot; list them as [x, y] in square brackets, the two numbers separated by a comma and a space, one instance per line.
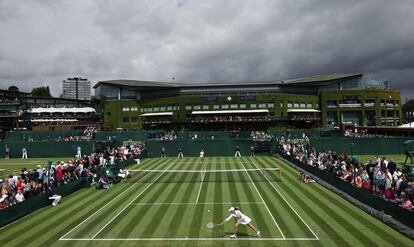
[284, 199]
[190, 239]
[268, 210]
[194, 203]
[201, 186]
[104, 206]
[123, 209]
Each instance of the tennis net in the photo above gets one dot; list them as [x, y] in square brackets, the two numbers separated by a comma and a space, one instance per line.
[229, 175]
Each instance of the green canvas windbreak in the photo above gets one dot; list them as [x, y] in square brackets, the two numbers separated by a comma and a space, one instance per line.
[192, 148]
[20, 136]
[376, 145]
[46, 149]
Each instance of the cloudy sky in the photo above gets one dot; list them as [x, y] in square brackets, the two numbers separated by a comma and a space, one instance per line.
[44, 42]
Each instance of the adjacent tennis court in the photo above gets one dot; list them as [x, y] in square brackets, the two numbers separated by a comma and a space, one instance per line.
[169, 202]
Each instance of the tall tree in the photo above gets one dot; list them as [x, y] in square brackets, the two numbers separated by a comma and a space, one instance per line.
[13, 89]
[41, 92]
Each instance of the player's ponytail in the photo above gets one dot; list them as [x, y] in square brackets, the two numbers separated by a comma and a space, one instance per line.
[236, 208]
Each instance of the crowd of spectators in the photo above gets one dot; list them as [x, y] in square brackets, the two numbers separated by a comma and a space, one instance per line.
[360, 134]
[260, 135]
[229, 118]
[31, 182]
[379, 176]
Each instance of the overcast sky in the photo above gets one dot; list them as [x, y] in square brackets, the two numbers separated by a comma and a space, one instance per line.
[44, 42]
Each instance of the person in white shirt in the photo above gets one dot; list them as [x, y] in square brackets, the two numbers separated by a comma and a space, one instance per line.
[79, 152]
[19, 196]
[241, 219]
[24, 153]
[201, 156]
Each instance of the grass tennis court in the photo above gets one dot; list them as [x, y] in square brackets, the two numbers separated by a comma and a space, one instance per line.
[16, 164]
[163, 208]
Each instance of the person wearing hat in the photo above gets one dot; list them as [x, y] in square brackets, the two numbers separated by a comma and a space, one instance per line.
[241, 219]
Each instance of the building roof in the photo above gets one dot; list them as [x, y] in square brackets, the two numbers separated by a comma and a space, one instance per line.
[62, 110]
[297, 81]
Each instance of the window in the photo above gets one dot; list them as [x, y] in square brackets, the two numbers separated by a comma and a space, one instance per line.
[169, 108]
[224, 106]
[308, 105]
[156, 109]
[188, 107]
[242, 106]
[295, 105]
[271, 105]
[302, 105]
[125, 108]
[262, 105]
[134, 108]
[233, 106]
[253, 106]
[205, 107]
[216, 107]
[197, 107]
[134, 120]
[290, 105]
[149, 109]
[281, 105]
[125, 120]
[162, 108]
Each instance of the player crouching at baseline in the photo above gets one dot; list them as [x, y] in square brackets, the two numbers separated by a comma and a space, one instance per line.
[241, 219]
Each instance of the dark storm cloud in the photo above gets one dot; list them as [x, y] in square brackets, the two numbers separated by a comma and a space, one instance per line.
[44, 42]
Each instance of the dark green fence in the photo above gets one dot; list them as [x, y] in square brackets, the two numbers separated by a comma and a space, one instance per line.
[192, 147]
[19, 136]
[402, 215]
[125, 135]
[380, 145]
[46, 149]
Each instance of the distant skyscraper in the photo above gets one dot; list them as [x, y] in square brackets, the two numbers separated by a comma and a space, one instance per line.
[77, 88]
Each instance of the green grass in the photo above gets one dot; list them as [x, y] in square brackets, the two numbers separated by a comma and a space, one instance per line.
[398, 158]
[159, 209]
[16, 164]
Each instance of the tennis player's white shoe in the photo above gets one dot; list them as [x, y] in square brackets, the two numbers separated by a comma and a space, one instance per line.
[234, 236]
[258, 234]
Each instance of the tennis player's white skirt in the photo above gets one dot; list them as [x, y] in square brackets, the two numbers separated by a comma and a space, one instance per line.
[244, 221]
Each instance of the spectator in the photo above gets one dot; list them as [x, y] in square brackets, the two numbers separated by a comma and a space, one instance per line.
[7, 152]
[19, 196]
[53, 196]
[24, 153]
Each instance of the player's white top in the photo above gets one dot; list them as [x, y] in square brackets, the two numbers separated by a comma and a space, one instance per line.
[202, 154]
[241, 218]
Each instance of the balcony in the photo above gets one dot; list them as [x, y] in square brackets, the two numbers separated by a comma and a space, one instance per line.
[369, 104]
[350, 105]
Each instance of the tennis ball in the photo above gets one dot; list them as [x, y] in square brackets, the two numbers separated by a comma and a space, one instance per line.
[208, 210]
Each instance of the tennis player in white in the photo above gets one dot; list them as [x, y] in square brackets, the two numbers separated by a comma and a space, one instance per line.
[241, 219]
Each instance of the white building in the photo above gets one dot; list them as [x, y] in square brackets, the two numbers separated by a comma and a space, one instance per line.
[77, 88]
